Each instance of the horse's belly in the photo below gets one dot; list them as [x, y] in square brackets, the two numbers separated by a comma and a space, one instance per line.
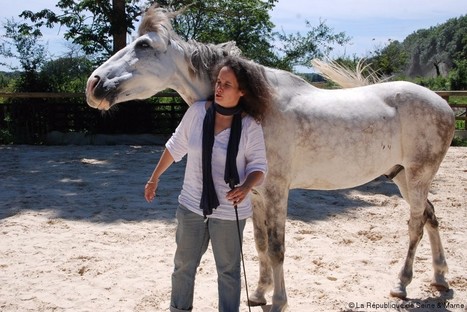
[333, 174]
[343, 160]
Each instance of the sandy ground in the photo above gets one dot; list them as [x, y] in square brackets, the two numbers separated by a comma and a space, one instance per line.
[77, 235]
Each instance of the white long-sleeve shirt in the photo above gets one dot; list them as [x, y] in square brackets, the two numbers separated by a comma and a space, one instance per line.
[187, 140]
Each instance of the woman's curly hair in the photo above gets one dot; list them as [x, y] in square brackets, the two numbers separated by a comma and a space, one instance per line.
[252, 80]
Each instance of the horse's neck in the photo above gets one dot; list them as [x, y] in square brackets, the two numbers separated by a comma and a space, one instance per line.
[191, 89]
[196, 88]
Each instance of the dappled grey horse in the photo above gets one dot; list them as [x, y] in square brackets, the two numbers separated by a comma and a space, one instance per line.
[315, 139]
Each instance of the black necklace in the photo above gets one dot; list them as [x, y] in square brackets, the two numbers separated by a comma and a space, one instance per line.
[228, 111]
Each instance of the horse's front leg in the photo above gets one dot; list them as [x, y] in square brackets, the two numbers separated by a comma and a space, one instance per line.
[276, 203]
[269, 217]
[265, 281]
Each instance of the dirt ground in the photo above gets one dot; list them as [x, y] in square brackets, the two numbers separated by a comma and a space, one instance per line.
[77, 235]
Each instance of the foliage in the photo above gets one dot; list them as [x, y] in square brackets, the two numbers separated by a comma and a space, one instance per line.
[66, 74]
[434, 83]
[247, 22]
[458, 76]
[88, 23]
[390, 59]
[429, 52]
[318, 42]
[458, 141]
[30, 53]
[25, 42]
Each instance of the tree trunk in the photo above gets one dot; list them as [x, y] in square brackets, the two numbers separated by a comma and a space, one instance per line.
[119, 25]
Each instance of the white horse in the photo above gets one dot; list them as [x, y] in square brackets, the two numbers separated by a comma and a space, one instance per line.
[315, 139]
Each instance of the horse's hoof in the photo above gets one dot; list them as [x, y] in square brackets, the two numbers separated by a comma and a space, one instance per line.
[441, 287]
[439, 283]
[257, 299]
[252, 303]
[399, 292]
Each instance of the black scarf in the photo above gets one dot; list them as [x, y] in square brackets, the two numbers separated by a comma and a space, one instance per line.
[209, 200]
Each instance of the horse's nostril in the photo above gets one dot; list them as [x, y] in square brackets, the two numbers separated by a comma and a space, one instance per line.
[95, 81]
[92, 83]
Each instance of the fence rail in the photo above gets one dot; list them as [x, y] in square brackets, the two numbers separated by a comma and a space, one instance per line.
[29, 116]
[62, 95]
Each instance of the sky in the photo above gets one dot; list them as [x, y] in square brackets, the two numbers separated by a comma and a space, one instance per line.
[369, 23]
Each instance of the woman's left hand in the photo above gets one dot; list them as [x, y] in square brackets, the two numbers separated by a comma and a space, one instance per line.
[238, 194]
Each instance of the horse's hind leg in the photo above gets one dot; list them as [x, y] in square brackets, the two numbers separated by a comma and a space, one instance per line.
[416, 223]
[415, 192]
[439, 262]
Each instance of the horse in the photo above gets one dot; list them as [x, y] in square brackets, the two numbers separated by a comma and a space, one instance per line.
[315, 138]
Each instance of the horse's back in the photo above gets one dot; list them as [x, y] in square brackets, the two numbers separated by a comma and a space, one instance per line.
[343, 138]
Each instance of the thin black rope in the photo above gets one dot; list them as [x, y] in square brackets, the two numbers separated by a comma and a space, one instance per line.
[243, 260]
[241, 253]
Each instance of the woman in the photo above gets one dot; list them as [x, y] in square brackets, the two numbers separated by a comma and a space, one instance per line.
[226, 159]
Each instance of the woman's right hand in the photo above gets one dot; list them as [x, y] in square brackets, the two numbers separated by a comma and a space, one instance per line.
[150, 190]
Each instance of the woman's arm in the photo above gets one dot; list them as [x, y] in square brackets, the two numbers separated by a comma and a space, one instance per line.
[164, 163]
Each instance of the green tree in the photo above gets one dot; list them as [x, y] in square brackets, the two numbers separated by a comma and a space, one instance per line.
[247, 22]
[436, 49]
[389, 60]
[66, 74]
[22, 43]
[318, 42]
[88, 23]
[458, 76]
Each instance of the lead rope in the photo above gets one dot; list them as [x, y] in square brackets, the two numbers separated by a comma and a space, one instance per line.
[241, 252]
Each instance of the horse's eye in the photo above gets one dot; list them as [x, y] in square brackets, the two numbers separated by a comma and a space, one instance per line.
[143, 44]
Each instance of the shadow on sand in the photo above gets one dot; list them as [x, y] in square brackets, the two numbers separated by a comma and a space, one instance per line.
[106, 183]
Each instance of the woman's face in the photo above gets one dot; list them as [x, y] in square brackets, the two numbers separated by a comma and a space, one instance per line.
[226, 91]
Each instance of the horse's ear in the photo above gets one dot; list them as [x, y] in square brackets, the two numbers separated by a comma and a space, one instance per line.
[180, 11]
[230, 48]
[152, 7]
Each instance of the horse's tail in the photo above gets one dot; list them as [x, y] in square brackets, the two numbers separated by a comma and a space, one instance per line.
[346, 77]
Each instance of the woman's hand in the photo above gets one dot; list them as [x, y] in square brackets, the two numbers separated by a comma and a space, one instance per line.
[238, 194]
[150, 190]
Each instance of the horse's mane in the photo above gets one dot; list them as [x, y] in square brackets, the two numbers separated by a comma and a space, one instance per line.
[346, 77]
[201, 57]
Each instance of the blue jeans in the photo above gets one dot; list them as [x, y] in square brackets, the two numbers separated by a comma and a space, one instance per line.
[192, 237]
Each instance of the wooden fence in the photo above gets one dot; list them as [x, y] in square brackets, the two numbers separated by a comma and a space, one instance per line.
[28, 117]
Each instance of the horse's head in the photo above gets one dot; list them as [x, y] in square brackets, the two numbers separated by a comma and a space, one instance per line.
[158, 59]
[141, 69]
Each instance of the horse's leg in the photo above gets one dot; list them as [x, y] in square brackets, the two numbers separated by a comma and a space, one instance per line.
[439, 261]
[265, 281]
[414, 189]
[276, 203]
